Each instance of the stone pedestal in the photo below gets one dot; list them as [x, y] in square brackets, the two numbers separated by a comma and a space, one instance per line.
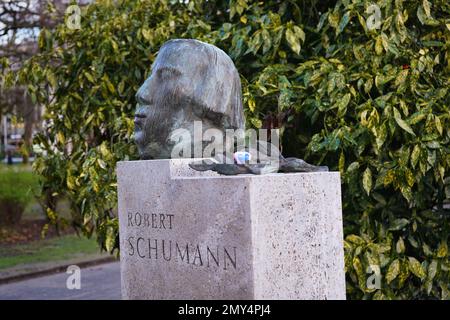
[197, 235]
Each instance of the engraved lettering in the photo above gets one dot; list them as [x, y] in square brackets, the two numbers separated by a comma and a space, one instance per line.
[137, 247]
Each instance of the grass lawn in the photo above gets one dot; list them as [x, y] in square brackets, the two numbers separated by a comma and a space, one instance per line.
[21, 245]
[55, 249]
[15, 167]
[33, 210]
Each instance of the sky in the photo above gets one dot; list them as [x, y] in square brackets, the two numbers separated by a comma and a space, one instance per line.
[22, 33]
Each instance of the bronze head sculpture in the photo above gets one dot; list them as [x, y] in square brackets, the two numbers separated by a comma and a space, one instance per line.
[194, 81]
[190, 80]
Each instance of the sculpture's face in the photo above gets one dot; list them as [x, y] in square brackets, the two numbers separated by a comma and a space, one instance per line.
[163, 102]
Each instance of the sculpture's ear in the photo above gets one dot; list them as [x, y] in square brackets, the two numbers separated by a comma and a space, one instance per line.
[220, 93]
[237, 115]
[214, 90]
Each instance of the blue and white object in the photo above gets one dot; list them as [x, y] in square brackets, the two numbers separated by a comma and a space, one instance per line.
[241, 157]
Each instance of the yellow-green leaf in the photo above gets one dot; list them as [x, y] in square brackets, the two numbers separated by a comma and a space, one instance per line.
[355, 239]
[378, 45]
[401, 77]
[60, 137]
[438, 124]
[442, 250]
[404, 273]
[89, 77]
[393, 271]
[400, 246]
[432, 269]
[71, 182]
[416, 268]
[293, 41]
[342, 104]
[415, 155]
[398, 224]
[342, 163]
[251, 104]
[110, 239]
[426, 7]
[402, 123]
[367, 180]
[357, 266]
[299, 33]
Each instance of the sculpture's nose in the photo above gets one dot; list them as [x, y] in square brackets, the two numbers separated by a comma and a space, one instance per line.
[141, 110]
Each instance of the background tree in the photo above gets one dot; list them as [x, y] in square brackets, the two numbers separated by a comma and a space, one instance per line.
[359, 88]
[20, 24]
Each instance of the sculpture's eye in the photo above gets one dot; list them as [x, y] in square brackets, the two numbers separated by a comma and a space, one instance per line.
[167, 72]
[142, 100]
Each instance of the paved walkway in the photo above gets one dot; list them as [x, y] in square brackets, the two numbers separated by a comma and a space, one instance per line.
[101, 282]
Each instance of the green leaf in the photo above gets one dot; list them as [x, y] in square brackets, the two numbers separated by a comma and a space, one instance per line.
[256, 42]
[353, 238]
[110, 239]
[293, 41]
[415, 155]
[357, 266]
[432, 270]
[400, 246]
[379, 45]
[71, 185]
[416, 117]
[367, 180]
[300, 34]
[406, 193]
[442, 251]
[416, 268]
[89, 77]
[368, 85]
[438, 124]
[333, 19]
[424, 18]
[60, 137]
[427, 250]
[381, 135]
[401, 77]
[322, 19]
[147, 34]
[101, 163]
[404, 273]
[393, 271]
[104, 151]
[426, 7]
[379, 295]
[398, 224]
[267, 41]
[433, 145]
[342, 104]
[343, 23]
[402, 123]
[341, 164]
[257, 123]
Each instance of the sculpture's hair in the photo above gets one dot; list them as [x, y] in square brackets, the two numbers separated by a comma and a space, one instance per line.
[216, 95]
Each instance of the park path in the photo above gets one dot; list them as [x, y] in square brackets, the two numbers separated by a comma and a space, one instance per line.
[101, 282]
